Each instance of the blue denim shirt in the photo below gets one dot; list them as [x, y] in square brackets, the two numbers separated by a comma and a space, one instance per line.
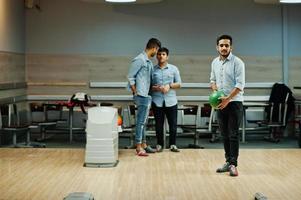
[165, 76]
[229, 74]
[140, 74]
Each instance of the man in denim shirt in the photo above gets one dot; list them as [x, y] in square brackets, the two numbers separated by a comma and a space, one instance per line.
[228, 75]
[139, 78]
[165, 79]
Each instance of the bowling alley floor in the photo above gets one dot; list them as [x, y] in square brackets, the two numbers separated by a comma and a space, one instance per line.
[253, 141]
[53, 173]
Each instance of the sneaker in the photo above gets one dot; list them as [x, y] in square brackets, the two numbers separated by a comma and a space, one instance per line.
[159, 148]
[141, 152]
[260, 196]
[233, 170]
[149, 149]
[224, 168]
[174, 148]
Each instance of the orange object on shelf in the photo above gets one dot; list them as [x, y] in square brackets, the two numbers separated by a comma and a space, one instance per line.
[119, 120]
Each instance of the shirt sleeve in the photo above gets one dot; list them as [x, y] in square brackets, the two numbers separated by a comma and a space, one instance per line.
[177, 78]
[134, 69]
[212, 74]
[239, 74]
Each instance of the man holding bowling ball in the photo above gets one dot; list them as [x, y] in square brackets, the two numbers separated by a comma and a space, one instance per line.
[228, 75]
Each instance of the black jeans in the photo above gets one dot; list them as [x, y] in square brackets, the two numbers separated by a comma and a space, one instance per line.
[229, 120]
[171, 114]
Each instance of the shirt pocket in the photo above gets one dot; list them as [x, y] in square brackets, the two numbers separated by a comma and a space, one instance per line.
[170, 77]
[144, 69]
[156, 79]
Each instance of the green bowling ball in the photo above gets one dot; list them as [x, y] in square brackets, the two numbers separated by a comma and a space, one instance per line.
[214, 98]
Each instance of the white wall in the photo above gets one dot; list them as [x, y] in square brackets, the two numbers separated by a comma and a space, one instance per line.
[12, 26]
[294, 30]
[185, 26]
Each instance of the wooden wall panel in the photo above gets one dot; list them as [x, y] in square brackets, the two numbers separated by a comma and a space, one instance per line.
[84, 68]
[12, 70]
[295, 73]
[12, 67]
[263, 69]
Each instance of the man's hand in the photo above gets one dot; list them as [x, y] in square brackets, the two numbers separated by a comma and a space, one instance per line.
[224, 103]
[165, 89]
[133, 88]
[226, 100]
[156, 88]
[213, 87]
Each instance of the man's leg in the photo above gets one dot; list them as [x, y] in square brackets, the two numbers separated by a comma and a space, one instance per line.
[222, 118]
[142, 104]
[234, 121]
[159, 120]
[172, 116]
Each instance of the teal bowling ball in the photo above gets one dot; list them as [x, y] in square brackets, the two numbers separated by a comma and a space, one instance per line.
[214, 98]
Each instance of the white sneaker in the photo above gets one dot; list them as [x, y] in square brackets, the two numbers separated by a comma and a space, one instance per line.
[174, 148]
[159, 148]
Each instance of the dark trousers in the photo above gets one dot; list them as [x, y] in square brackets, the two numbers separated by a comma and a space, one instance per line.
[229, 120]
[171, 114]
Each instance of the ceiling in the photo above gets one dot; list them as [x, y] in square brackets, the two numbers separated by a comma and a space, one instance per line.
[137, 1]
[267, 1]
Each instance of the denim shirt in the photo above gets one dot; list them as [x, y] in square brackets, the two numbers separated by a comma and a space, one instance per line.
[165, 76]
[229, 74]
[140, 74]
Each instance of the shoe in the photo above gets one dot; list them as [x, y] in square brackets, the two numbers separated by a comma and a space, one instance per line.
[149, 149]
[233, 170]
[224, 168]
[141, 152]
[159, 148]
[174, 148]
[260, 196]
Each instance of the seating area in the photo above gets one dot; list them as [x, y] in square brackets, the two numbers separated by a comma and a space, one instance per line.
[50, 115]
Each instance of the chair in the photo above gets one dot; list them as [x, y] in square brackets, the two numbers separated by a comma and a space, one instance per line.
[15, 121]
[299, 138]
[128, 124]
[211, 126]
[189, 122]
[198, 120]
[45, 116]
[281, 105]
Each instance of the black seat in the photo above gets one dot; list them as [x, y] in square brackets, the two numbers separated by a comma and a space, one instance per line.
[281, 106]
[201, 122]
[17, 121]
[128, 124]
[40, 117]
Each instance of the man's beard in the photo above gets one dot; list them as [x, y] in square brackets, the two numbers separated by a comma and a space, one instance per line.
[224, 55]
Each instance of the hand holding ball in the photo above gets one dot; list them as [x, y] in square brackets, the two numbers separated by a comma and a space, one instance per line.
[214, 98]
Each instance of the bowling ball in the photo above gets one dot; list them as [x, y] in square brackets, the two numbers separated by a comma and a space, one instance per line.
[214, 98]
[119, 120]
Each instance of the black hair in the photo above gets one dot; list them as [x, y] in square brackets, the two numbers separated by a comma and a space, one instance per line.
[224, 37]
[164, 49]
[153, 42]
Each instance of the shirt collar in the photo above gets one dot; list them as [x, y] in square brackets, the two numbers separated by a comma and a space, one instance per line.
[228, 58]
[145, 56]
[157, 66]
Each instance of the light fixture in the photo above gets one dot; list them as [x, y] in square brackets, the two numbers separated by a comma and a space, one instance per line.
[290, 1]
[120, 1]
